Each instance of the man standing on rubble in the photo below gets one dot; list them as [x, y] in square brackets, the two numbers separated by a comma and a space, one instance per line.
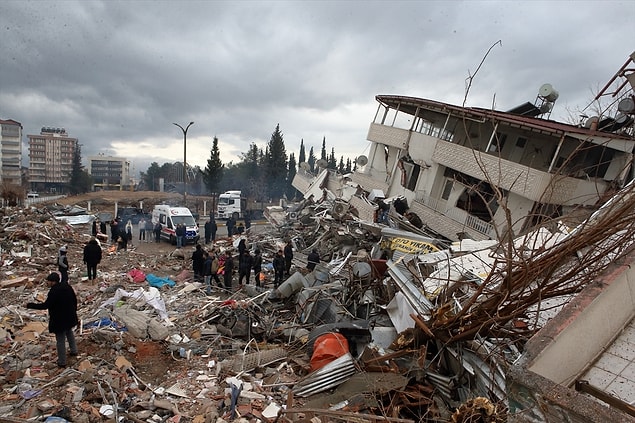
[244, 268]
[257, 266]
[61, 304]
[92, 257]
[312, 259]
[288, 258]
[198, 262]
[278, 268]
[62, 264]
[228, 270]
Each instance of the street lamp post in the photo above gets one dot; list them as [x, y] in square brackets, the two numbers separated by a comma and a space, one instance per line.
[184, 160]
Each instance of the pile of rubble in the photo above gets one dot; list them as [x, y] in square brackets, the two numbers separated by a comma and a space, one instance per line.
[378, 331]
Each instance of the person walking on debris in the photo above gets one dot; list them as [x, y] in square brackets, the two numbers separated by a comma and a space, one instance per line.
[228, 269]
[207, 272]
[247, 222]
[312, 259]
[198, 262]
[94, 227]
[142, 230]
[61, 304]
[257, 266]
[288, 258]
[244, 268]
[62, 264]
[208, 231]
[92, 257]
[128, 234]
[278, 268]
[157, 232]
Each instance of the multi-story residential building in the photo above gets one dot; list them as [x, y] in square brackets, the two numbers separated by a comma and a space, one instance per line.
[51, 159]
[10, 152]
[468, 172]
[108, 172]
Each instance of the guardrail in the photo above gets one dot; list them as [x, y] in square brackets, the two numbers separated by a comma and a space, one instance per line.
[41, 199]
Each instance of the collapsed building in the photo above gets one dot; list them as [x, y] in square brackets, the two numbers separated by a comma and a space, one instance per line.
[476, 267]
[494, 226]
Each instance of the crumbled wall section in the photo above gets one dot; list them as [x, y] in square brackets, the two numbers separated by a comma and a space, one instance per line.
[535, 398]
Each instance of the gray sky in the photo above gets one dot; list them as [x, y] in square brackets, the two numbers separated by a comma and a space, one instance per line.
[116, 75]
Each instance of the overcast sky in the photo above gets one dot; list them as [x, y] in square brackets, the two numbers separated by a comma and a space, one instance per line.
[116, 75]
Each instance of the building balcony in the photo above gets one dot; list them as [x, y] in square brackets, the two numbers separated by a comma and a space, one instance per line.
[371, 179]
[539, 186]
[388, 135]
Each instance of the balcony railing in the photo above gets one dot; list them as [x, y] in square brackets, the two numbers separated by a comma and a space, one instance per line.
[458, 215]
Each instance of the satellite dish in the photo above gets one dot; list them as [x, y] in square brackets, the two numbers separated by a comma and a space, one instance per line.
[321, 163]
[626, 105]
[362, 160]
[305, 166]
[547, 92]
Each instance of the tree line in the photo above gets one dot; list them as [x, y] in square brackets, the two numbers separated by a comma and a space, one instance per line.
[260, 174]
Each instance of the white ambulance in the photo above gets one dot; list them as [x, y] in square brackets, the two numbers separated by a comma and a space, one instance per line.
[169, 217]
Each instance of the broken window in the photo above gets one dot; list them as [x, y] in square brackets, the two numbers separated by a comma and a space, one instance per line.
[478, 198]
[409, 173]
[497, 143]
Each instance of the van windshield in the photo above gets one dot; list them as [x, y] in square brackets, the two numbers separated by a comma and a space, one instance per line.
[183, 220]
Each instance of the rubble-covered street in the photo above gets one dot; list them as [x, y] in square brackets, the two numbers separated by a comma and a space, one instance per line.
[392, 324]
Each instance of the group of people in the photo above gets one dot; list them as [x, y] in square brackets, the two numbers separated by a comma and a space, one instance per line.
[61, 301]
[211, 265]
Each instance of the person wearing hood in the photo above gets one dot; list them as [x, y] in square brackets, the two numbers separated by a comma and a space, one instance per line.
[61, 304]
[92, 257]
[62, 264]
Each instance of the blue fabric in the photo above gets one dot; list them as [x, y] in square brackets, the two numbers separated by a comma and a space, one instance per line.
[158, 282]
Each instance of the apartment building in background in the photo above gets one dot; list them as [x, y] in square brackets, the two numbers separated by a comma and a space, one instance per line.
[51, 159]
[10, 152]
[109, 173]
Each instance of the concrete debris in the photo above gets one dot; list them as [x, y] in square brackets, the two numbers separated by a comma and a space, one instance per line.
[155, 346]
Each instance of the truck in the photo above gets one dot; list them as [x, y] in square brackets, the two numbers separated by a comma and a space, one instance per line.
[231, 204]
[169, 217]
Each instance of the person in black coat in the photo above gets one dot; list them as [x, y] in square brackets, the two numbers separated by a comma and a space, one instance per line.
[228, 271]
[288, 258]
[312, 259]
[244, 268]
[198, 262]
[257, 266]
[278, 268]
[214, 229]
[208, 231]
[92, 257]
[61, 304]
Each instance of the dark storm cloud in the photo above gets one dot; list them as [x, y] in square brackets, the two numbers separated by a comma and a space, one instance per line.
[117, 74]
